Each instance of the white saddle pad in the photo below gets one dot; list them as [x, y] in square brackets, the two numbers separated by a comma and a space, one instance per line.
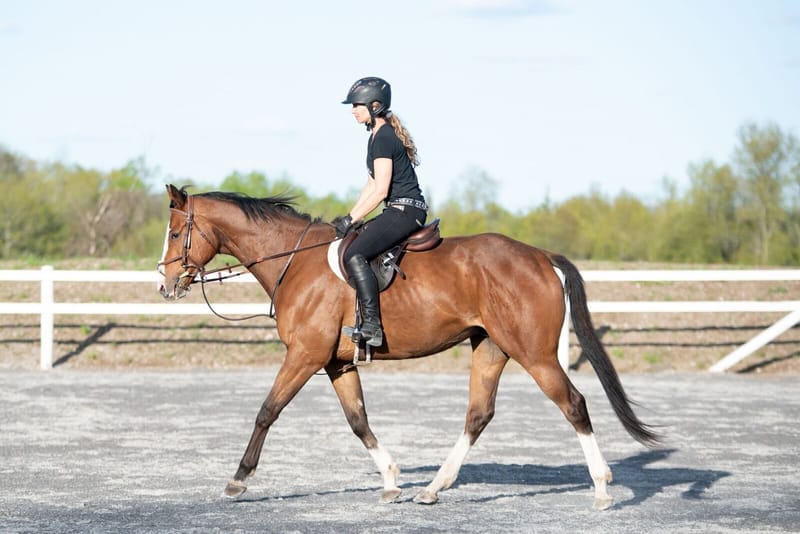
[333, 259]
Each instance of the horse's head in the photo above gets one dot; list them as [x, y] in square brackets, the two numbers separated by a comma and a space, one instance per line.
[187, 248]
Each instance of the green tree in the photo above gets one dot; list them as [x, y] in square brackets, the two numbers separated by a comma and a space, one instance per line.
[98, 208]
[764, 160]
[257, 185]
[29, 226]
[714, 203]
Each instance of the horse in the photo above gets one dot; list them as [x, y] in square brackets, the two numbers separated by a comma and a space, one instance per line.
[506, 297]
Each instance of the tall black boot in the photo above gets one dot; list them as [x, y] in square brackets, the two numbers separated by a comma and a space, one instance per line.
[367, 293]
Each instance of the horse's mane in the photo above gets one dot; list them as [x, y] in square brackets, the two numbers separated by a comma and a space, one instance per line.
[266, 208]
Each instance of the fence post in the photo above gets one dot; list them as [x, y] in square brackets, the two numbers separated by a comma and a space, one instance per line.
[46, 318]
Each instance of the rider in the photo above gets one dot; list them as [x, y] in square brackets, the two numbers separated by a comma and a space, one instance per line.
[391, 158]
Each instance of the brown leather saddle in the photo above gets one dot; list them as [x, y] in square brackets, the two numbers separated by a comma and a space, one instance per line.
[386, 265]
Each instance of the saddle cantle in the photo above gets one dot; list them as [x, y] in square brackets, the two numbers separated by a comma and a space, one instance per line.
[386, 265]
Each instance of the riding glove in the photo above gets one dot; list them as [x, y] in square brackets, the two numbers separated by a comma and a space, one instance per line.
[344, 225]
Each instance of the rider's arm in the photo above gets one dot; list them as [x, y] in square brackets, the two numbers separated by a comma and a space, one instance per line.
[375, 190]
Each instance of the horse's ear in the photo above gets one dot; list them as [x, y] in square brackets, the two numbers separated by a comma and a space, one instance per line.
[177, 197]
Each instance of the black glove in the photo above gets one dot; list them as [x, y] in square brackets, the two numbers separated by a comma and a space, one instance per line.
[344, 225]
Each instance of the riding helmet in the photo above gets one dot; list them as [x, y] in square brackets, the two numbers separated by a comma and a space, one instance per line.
[368, 90]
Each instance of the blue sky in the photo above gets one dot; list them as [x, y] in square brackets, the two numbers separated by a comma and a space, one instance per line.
[550, 98]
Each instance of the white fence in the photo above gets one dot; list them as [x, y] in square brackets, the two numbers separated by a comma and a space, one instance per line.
[47, 308]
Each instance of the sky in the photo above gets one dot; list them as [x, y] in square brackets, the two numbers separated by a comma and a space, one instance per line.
[551, 99]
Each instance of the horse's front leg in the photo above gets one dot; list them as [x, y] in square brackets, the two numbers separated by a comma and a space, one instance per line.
[293, 374]
[347, 384]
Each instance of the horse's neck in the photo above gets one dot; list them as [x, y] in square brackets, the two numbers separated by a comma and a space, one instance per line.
[252, 242]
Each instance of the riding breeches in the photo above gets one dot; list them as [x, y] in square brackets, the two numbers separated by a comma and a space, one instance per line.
[386, 230]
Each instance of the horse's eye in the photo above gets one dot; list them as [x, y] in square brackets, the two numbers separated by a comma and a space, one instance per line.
[174, 235]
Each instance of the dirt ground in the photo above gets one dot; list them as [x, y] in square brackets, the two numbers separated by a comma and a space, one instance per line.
[656, 342]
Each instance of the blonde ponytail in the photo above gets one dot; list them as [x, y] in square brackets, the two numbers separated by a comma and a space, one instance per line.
[404, 136]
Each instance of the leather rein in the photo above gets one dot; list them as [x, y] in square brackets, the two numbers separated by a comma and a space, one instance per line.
[201, 275]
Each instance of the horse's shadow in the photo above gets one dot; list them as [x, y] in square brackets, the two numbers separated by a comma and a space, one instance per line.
[632, 472]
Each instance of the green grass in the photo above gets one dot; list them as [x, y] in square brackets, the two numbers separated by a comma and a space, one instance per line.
[651, 358]
[779, 290]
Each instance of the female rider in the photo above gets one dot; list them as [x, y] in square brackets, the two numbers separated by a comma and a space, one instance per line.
[391, 158]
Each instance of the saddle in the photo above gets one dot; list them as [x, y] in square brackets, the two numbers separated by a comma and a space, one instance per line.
[385, 266]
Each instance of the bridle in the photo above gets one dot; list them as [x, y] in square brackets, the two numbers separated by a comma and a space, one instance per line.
[198, 274]
[183, 257]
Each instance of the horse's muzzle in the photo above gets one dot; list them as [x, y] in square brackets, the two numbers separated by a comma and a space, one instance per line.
[175, 290]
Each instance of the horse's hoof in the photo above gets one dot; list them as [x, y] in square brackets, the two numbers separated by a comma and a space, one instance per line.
[234, 489]
[426, 497]
[390, 496]
[603, 503]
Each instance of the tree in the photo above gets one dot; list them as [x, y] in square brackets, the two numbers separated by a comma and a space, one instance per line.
[99, 208]
[714, 204]
[257, 185]
[765, 161]
[29, 226]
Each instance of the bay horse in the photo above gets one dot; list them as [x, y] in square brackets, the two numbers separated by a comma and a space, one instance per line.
[506, 297]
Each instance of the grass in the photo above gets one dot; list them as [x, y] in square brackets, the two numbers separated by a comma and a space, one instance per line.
[651, 358]
[779, 290]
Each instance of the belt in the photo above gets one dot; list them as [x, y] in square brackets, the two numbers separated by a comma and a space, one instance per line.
[403, 202]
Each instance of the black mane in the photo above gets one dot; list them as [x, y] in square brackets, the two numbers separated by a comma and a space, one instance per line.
[267, 208]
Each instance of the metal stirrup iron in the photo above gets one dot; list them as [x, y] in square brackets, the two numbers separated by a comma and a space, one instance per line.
[354, 333]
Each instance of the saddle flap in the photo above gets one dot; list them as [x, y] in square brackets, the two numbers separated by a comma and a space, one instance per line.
[346, 242]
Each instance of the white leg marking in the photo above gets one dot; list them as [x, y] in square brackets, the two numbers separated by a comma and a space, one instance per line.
[389, 471]
[598, 469]
[447, 473]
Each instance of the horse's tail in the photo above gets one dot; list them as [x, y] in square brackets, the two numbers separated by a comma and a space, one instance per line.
[590, 343]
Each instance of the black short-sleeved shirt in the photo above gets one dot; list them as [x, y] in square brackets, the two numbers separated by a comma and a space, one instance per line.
[386, 144]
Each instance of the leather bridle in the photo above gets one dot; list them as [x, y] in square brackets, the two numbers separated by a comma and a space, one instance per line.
[186, 262]
[191, 269]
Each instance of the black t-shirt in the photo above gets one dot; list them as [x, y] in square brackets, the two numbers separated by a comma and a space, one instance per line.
[386, 144]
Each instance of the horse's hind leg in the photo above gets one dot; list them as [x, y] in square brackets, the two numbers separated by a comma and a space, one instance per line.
[556, 385]
[488, 362]
[347, 385]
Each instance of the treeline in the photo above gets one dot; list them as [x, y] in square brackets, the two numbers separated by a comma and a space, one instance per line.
[745, 211]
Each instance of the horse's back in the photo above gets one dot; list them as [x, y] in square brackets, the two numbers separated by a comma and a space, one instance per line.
[496, 252]
[490, 262]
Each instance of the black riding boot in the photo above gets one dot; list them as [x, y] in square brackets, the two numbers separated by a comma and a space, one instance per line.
[367, 293]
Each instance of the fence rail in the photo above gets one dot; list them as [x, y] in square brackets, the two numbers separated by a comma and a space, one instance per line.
[47, 308]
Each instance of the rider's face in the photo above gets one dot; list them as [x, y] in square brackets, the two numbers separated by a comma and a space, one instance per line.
[361, 113]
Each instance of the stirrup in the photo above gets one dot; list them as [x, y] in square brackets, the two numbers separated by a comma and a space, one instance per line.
[354, 333]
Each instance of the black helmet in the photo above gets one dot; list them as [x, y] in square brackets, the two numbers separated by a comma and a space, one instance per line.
[368, 90]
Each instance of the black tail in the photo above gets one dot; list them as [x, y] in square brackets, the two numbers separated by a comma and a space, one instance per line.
[590, 343]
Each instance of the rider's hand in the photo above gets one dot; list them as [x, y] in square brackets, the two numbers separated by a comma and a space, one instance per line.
[344, 225]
